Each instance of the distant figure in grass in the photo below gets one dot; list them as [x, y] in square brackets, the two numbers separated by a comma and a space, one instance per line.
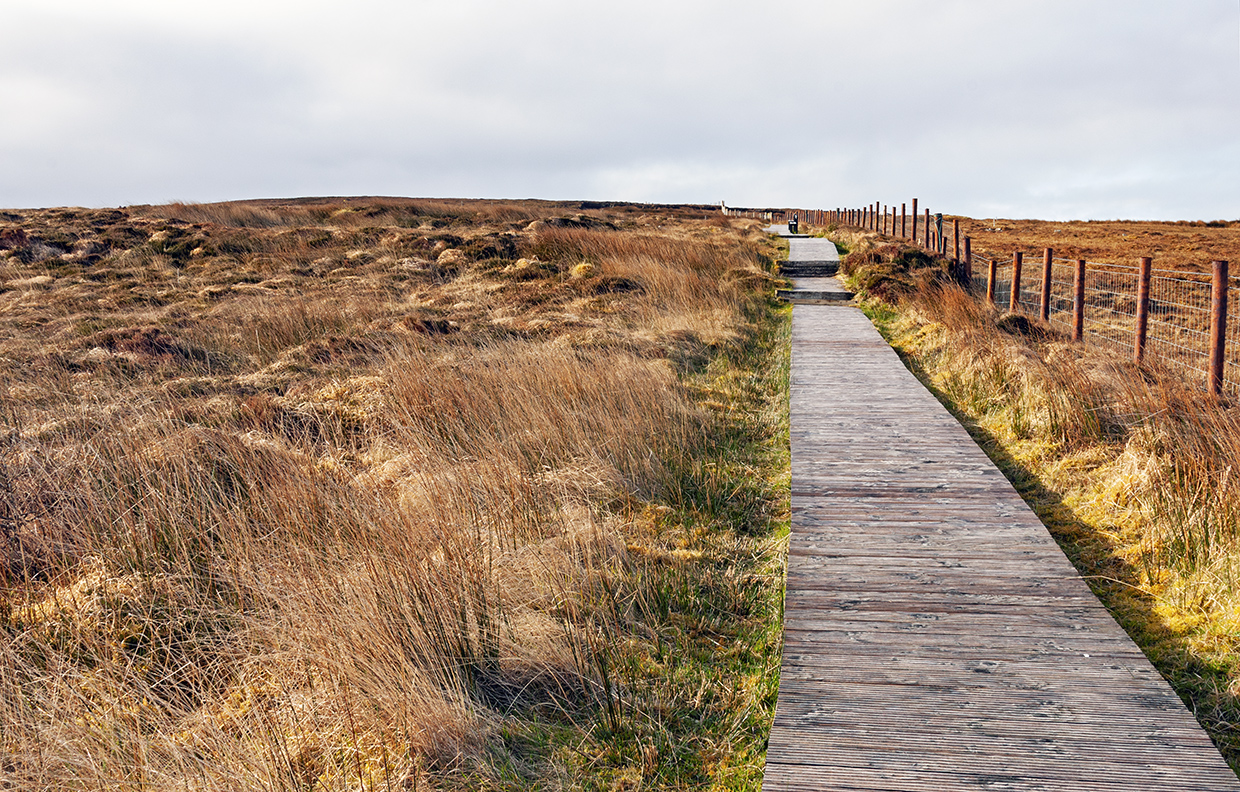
[792, 225]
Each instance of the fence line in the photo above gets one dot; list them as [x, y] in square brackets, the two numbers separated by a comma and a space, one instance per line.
[1184, 319]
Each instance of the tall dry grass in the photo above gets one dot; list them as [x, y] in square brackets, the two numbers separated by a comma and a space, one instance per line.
[284, 528]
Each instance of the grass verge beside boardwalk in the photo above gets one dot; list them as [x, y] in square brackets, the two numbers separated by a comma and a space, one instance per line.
[696, 670]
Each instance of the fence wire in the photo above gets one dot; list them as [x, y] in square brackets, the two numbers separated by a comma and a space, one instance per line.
[1178, 325]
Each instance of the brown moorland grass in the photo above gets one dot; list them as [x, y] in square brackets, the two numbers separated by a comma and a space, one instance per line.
[387, 493]
[1131, 468]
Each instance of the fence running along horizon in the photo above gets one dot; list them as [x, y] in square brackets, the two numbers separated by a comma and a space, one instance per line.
[1180, 318]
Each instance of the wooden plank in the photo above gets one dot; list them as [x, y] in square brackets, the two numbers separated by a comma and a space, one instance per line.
[935, 636]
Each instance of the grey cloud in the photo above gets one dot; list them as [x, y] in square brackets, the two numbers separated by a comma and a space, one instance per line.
[1054, 108]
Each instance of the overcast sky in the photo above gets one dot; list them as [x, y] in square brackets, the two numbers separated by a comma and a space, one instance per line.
[1056, 109]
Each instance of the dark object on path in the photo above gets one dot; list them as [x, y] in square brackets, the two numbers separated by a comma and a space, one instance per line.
[792, 225]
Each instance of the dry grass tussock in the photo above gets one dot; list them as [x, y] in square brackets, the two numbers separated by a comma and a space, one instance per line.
[1131, 469]
[376, 494]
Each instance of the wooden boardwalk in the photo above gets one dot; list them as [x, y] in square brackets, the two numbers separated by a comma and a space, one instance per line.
[936, 638]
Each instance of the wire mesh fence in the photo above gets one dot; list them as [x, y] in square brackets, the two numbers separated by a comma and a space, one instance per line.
[1179, 310]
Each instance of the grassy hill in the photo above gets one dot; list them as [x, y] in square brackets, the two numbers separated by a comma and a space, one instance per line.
[382, 494]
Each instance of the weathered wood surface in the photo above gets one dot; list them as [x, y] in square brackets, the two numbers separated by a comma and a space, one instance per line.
[936, 638]
[812, 265]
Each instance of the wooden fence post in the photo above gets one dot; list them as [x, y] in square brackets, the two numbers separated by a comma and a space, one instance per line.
[1047, 256]
[1078, 302]
[913, 238]
[926, 242]
[1143, 309]
[1014, 300]
[968, 262]
[990, 282]
[904, 221]
[1218, 326]
[956, 233]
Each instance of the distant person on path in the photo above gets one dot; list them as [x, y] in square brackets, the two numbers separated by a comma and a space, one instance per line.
[792, 225]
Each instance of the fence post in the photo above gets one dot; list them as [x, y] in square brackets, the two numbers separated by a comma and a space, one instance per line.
[990, 282]
[1014, 300]
[1047, 256]
[1143, 308]
[956, 233]
[968, 262]
[913, 238]
[926, 242]
[904, 221]
[1078, 302]
[1218, 326]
